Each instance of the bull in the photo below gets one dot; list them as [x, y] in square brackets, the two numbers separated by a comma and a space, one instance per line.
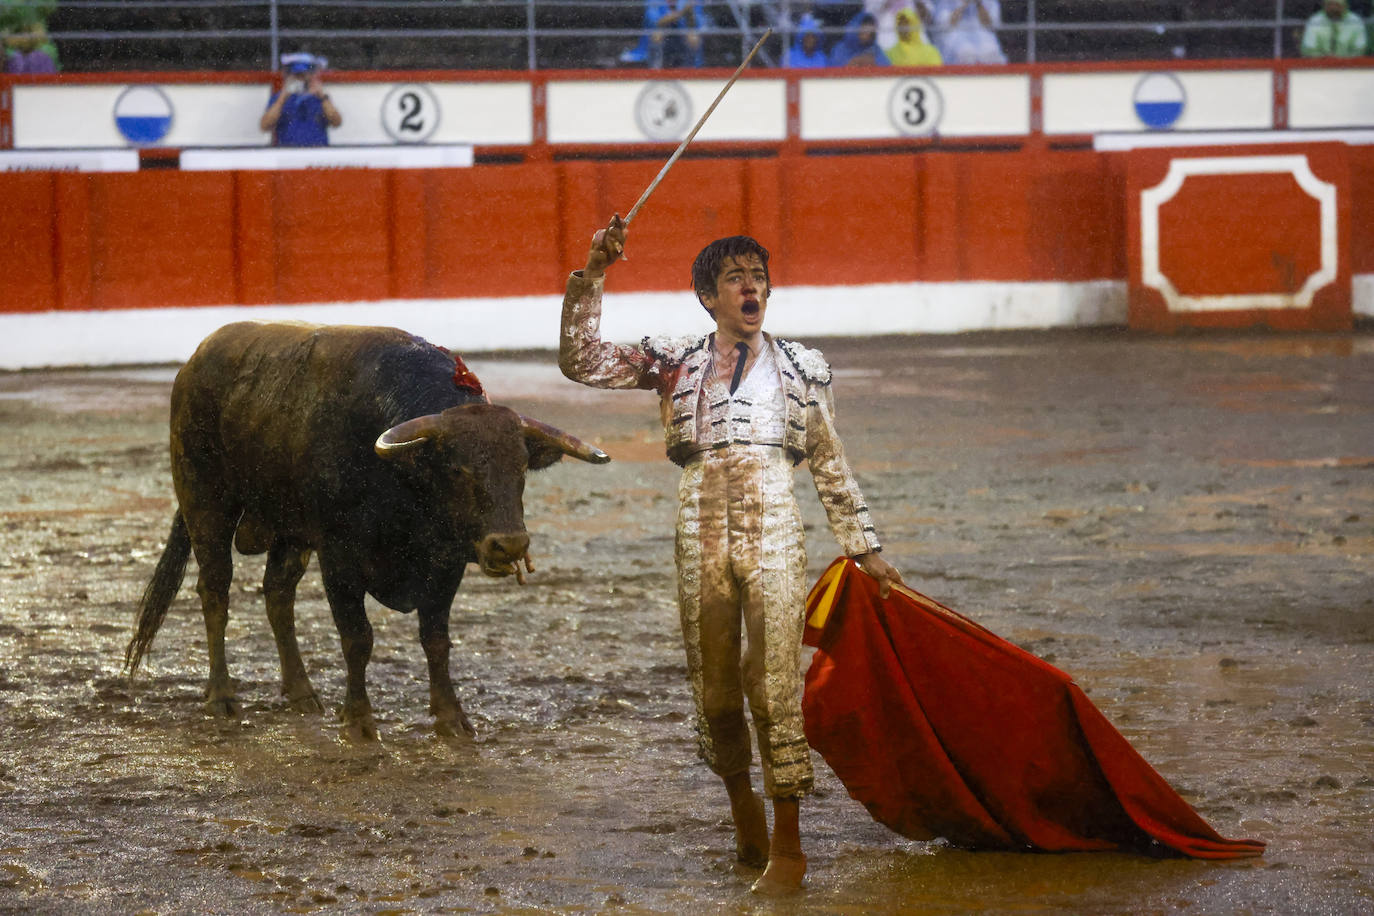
[356, 444]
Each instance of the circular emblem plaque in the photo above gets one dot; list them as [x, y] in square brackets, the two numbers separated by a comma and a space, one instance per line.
[410, 113]
[143, 114]
[1159, 100]
[663, 111]
[915, 106]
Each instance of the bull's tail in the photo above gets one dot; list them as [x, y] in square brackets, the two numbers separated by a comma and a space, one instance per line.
[158, 595]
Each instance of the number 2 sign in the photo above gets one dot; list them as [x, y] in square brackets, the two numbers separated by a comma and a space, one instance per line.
[410, 113]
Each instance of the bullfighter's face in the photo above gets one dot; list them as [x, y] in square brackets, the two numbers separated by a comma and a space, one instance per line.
[741, 297]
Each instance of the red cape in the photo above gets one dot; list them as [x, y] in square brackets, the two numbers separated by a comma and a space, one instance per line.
[942, 729]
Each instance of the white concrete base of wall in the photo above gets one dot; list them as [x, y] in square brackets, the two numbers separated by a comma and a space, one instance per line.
[170, 335]
[1362, 295]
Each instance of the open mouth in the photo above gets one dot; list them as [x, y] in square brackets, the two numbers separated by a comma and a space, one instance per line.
[498, 570]
[750, 307]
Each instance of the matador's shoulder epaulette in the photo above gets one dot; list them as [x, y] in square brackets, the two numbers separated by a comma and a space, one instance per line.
[810, 363]
[672, 350]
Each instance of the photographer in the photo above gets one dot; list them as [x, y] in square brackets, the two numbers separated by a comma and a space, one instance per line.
[301, 113]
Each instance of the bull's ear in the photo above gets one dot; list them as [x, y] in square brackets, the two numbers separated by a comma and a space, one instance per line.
[405, 438]
[541, 437]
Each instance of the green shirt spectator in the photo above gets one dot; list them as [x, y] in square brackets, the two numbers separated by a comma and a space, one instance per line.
[24, 20]
[1334, 31]
[19, 16]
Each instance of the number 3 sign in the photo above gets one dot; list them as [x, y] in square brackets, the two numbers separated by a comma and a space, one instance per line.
[410, 113]
[915, 106]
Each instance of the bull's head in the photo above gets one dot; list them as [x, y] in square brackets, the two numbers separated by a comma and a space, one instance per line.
[490, 448]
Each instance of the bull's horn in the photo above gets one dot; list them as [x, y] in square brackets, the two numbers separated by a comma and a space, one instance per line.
[404, 436]
[565, 442]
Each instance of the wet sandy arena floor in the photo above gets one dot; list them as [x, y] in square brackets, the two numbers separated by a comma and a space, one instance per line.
[1186, 525]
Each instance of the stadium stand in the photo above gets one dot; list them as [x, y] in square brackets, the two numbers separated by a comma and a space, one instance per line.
[133, 35]
[99, 35]
[1166, 28]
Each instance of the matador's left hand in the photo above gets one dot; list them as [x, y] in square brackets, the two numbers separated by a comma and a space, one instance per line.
[880, 569]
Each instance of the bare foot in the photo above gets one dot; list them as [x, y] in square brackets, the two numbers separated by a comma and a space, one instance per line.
[782, 876]
[751, 832]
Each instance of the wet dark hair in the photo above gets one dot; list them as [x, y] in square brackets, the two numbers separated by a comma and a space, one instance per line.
[706, 268]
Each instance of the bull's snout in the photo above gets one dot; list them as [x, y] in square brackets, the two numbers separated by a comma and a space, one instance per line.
[498, 553]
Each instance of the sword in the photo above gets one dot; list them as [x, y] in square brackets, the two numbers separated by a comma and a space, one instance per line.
[683, 145]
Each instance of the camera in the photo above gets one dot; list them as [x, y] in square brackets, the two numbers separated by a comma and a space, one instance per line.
[299, 67]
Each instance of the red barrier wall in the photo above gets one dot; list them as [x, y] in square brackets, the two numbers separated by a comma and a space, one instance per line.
[167, 238]
[1361, 159]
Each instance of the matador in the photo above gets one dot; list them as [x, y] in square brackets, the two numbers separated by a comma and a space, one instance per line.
[740, 409]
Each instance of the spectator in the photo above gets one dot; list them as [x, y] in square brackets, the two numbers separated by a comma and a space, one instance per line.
[1334, 31]
[807, 50]
[672, 35]
[859, 46]
[301, 113]
[26, 53]
[885, 11]
[912, 48]
[24, 31]
[967, 31]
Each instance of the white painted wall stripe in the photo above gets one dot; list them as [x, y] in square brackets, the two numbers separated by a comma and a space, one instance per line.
[134, 336]
[1151, 199]
[165, 335]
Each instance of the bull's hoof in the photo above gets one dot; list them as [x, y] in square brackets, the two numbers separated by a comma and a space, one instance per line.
[454, 726]
[449, 718]
[360, 730]
[224, 707]
[307, 703]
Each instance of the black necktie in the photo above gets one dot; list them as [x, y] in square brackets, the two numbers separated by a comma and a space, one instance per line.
[739, 365]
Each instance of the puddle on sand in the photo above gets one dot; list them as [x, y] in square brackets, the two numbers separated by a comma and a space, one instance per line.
[1303, 346]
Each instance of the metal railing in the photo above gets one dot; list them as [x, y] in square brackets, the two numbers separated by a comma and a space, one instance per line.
[545, 34]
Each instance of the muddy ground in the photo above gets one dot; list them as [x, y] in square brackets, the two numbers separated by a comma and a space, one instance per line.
[1186, 525]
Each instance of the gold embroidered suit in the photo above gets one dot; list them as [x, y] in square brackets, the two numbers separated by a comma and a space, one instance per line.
[739, 547]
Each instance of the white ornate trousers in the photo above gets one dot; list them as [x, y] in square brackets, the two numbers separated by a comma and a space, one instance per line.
[741, 563]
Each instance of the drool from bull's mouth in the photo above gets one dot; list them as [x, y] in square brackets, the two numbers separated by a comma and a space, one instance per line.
[500, 570]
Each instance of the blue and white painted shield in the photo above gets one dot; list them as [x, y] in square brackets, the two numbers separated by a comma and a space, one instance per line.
[143, 114]
[1159, 100]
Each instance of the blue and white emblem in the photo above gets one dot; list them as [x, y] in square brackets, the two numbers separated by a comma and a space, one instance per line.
[143, 114]
[1159, 100]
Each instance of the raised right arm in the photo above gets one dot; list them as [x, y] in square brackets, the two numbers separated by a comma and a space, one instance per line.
[582, 354]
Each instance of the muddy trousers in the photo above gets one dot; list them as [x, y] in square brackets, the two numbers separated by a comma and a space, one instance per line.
[741, 564]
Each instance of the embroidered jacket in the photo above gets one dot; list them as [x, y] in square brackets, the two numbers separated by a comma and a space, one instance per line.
[677, 367]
